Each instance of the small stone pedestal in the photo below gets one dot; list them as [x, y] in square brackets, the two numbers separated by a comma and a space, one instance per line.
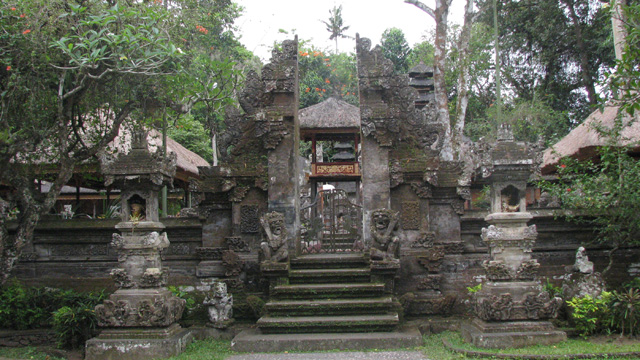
[511, 334]
[139, 319]
[512, 307]
[276, 273]
[385, 271]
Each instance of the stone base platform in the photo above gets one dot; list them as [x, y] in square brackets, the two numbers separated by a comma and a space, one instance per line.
[138, 343]
[511, 334]
[252, 340]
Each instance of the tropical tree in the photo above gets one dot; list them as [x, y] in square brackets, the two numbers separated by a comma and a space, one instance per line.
[325, 75]
[335, 25]
[72, 73]
[553, 51]
[395, 48]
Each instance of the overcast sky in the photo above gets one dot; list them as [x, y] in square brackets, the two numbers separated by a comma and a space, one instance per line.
[262, 20]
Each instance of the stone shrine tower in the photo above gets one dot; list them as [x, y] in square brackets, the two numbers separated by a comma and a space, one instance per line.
[512, 309]
[140, 318]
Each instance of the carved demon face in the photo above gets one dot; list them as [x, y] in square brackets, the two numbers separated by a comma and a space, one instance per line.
[276, 227]
[381, 221]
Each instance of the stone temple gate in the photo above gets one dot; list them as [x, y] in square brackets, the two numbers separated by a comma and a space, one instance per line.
[381, 228]
[380, 216]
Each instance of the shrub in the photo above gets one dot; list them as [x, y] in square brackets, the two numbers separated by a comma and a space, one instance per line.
[73, 326]
[552, 290]
[591, 315]
[69, 312]
[191, 302]
[24, 308]
[76, 322]
[625, 311]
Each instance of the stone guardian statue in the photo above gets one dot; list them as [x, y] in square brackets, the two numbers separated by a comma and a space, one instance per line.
[385, 244]
[274, 249]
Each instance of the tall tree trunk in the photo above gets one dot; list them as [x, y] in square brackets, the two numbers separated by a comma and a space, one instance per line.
[463, 79]
[440, 15]
[31, 210]
[214, 145]
[619, 32]
[586, 73]
[439, 59]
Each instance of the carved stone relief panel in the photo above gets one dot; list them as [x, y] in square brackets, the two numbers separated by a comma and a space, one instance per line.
[249, 219]
[410, 215]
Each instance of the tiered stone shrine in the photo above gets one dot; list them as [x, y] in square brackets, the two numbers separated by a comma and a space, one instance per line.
[139, 320]
[512, 309]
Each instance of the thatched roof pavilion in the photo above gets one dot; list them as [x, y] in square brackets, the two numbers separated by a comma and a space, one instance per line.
[332, 116]
[583, 141]
[332, 120]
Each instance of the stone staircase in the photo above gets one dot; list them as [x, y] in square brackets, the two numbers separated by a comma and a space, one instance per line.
[330, 293]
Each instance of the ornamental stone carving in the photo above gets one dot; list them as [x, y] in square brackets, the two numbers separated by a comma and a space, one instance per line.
[497, 270]
[121, 278]
[528, 270]
[386, 244]
[411, 216]
[210, 253]
[125, 313]
[541, 306]
[494, 308]
[274, 246]
[430, 282]
[237, 244]
[238, 193]
[153, 277]
[232, 263]
[425, 240]
[422, 190]
[249, 219]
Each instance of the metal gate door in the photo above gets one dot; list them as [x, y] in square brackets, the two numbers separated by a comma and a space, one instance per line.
[332, 223]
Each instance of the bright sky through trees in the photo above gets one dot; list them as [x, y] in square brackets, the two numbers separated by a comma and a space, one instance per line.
[261, 21]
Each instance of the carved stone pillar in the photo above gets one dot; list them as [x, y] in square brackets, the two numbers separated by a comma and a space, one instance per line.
[279, 119]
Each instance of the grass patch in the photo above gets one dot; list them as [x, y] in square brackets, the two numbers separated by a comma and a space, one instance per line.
[435, 349]
[209, 349]
[28, 352]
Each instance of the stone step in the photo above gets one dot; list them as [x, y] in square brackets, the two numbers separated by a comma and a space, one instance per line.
[343, 275]
[330, 261]
[328, 324]
[324, 291]
[284, 308]
[252, 340]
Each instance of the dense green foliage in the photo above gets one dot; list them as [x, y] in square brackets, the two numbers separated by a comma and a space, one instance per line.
[326, 75]
[70, 313]
[71, 73]
[395, 48]
[554, 51]
[624, 82]
[191, 133]
[611, 312]
[590, 315]
[75, 325]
